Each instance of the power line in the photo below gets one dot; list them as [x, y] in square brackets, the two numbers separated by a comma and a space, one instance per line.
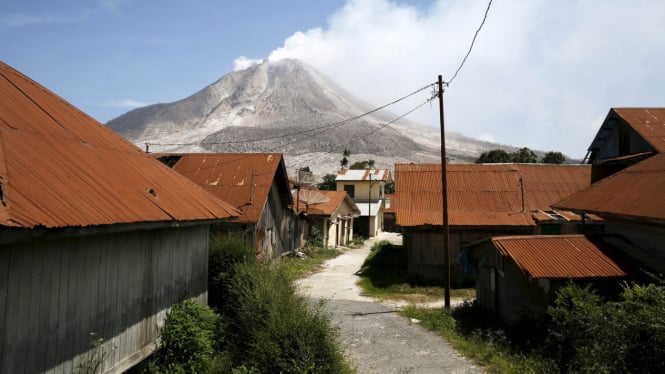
[374, 130]
[473, 41]
[324, 128]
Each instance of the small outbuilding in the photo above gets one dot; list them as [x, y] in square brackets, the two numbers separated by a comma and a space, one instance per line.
[517, 276]
[332, 212]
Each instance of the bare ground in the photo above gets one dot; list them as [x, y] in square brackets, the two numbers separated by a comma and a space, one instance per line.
[373, 337]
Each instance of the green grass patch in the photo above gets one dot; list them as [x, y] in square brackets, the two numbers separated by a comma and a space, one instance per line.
[473, 337]
[384, 275]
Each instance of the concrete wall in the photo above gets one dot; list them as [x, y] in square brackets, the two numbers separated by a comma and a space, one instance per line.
[362, 189]
[55, 293]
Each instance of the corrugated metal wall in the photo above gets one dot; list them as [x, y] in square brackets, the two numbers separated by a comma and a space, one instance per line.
[54, 294]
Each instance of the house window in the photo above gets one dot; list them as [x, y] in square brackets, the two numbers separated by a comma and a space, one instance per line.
[350, 189]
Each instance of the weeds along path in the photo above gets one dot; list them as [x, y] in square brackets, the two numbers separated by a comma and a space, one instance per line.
[373, 337]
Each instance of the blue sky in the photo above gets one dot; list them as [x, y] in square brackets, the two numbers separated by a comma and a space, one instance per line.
[542, 74]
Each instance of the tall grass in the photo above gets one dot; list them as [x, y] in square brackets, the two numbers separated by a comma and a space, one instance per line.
[266, 327]
[472, 334]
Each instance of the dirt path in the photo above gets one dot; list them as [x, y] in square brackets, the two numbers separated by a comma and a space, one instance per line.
[374, 338]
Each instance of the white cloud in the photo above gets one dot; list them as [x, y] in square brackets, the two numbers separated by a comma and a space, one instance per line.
[126, 103]
[242, 63]
[541, 72]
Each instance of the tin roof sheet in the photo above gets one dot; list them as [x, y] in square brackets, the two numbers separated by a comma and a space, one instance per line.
[635, 192]
[648, 122]
[560, 256]
[483, 194]
[363, 175]
[243, 180]
[61, 168]
[336, 199]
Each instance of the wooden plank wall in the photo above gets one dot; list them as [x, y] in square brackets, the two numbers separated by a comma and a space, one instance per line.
[55, 294]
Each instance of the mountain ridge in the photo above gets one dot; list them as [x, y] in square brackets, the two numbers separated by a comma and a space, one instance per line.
[288, 107]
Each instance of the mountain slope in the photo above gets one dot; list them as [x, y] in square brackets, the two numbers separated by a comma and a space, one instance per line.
[286, 106]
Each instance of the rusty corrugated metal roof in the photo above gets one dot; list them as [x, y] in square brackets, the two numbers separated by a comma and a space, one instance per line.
[560, 256]
[363, 175]
[483, 194]
[648, 122]
[60, 168]
[336, 198]
[241, 179]
[635, 192]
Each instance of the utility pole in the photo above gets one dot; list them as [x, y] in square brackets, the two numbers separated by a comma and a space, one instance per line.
[444, 196]
[369, 205]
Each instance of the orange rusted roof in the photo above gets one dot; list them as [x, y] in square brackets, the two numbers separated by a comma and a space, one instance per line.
[483, 194]
[332, 206]
[635, 192]
[243, 180]
[60, 168]
[648, 122]
[560, 256]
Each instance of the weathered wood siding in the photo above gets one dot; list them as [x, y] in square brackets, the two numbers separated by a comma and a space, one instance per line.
[54, 294]
[502, 288]
[277, 232]
[424, 248]
[641, 241]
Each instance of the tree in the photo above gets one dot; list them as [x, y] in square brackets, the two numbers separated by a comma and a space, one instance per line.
[553, 158]
[524, 156]
[328, 183]
[344, 162]
[359, 165]
[494, 156]
[389, 187]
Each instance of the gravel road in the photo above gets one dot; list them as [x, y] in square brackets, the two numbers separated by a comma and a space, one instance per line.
[373, 337]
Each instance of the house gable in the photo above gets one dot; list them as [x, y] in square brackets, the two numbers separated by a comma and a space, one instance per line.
[628, 131]
[244, 180]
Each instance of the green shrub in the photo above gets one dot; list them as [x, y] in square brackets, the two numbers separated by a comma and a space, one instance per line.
[270, 329]
[589, 334]
[224, 253]
[315, 237]
[187, 340]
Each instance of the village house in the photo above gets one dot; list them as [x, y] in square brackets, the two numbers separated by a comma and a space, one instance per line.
[517, 276]
[484, 200]
[254, 183]
[626, 137]
[97, 240]
[366, 188]
[332, 212]
[632, 206]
